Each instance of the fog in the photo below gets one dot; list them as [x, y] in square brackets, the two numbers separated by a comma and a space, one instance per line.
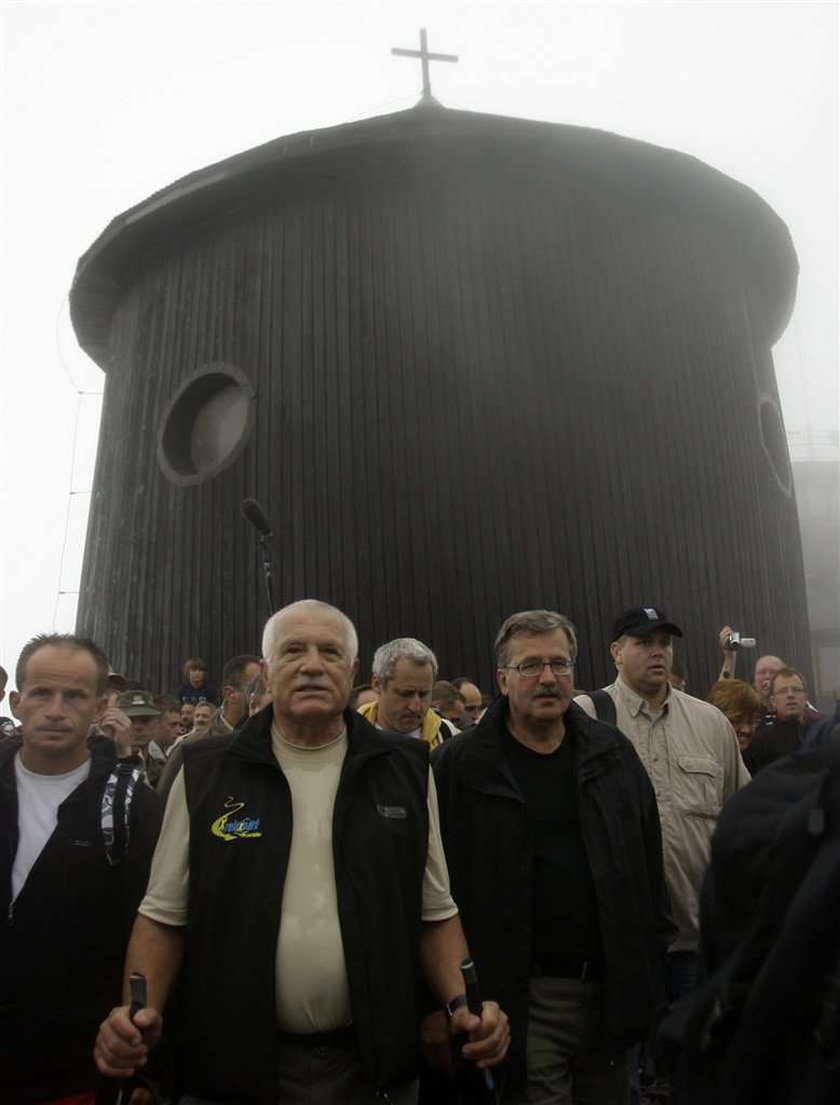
[107, 102]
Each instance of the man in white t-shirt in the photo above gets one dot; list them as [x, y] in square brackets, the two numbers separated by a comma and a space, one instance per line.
[73, 873]
[299, 889]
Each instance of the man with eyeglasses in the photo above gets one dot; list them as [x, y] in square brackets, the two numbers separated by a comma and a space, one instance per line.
[552, 837]
[693, 759]
[783, 731]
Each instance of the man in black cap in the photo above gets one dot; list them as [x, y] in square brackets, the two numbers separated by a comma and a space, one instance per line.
[691, 754]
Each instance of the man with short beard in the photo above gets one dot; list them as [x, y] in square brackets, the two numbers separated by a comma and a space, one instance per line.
[187, 711]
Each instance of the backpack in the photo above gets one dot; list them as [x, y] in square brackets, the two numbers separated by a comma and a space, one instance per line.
[764, 1027]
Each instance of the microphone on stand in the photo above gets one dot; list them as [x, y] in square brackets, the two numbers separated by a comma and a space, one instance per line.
[254, 513]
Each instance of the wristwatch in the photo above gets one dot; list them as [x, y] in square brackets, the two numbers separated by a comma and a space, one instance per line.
[455, 1004]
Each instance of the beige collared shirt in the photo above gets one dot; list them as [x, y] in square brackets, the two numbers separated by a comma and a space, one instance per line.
[691, 754]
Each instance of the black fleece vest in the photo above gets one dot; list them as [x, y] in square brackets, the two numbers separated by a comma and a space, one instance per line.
[240, 832]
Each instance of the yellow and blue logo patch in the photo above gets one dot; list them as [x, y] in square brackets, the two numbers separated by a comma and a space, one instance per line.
[231, 827]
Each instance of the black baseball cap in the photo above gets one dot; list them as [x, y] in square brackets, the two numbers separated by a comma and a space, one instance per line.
[641, 621]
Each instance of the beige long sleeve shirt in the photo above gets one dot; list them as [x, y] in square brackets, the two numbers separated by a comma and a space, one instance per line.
[691, 754]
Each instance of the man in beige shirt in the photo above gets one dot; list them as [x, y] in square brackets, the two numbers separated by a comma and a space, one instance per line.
[299, 886]
[691, 754]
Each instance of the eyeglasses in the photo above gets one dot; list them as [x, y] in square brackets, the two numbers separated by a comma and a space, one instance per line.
[530, 669]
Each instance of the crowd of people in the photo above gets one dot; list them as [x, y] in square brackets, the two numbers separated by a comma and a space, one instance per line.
[297, 865]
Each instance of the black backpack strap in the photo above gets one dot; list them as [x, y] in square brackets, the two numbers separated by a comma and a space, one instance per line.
[115, 810]
[604, 706]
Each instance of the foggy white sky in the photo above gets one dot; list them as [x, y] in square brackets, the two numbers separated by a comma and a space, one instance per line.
[106, 101]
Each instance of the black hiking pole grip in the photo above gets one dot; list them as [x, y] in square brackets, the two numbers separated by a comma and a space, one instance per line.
[481, 1088]
[139, 1000]
[137, 988]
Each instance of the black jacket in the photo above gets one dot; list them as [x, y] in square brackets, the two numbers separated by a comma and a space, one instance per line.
[772, 740]
[487, 837]
[63, 940]
[764, 1026]
[380, 840]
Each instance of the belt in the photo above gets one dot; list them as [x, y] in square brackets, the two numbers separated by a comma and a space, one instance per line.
[583, 970]
[331, 1038]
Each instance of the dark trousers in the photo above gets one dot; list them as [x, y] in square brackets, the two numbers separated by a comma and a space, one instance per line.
[323, 1069]
[568, 1058]
[681, 974]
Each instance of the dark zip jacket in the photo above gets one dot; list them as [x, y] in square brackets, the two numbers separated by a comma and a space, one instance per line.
[63, 940]
[489, 849]
[380, 840]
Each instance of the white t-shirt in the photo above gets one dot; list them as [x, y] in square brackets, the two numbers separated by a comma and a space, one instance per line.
[39, 797]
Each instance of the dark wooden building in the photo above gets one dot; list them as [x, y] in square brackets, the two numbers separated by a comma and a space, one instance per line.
[468, 364]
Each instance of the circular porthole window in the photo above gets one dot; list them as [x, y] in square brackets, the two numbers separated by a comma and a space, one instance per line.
[206, 425]
[775, 443]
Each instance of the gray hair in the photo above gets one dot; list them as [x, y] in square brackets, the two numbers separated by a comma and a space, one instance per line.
[270, 632]
[531, 621]
[402, 648]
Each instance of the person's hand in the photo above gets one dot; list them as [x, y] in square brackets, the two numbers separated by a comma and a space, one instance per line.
[489, 1035]
[435, 1041]
[117, 725]
[122, 1045]
[723, 638]
[141, 1096]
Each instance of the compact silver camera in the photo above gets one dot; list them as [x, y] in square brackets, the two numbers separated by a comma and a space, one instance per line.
[736, 641]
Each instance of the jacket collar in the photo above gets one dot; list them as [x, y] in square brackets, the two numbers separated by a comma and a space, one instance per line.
[633, 702]
[430, 730]
[483, 757]
[252, 741]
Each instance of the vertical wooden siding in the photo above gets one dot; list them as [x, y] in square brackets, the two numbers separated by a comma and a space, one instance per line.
[482, 385]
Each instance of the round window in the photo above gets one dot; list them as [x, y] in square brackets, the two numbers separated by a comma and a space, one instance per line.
[775, 443]
[206, 424]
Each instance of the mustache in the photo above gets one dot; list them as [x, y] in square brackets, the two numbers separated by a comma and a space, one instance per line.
[547, 693]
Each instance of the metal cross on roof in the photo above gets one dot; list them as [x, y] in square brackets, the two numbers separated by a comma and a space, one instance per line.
[425, 58]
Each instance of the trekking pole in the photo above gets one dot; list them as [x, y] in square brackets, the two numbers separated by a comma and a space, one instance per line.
[139, 1000]
[478, 1086]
